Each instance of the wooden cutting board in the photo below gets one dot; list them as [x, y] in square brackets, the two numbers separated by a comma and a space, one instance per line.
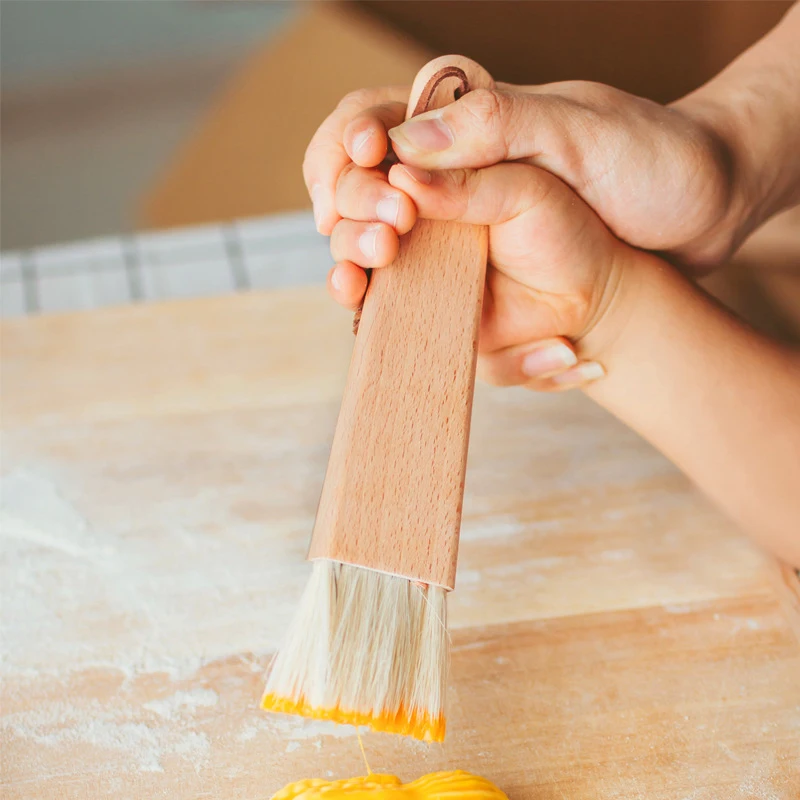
[613, 635]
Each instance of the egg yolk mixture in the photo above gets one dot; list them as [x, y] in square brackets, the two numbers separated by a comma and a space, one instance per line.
[457, 785]
[407, 723]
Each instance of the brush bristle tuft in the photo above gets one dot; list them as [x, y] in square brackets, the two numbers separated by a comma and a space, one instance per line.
[365, 648]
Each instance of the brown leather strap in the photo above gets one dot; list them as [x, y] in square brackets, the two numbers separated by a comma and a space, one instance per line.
[421, 108]
[430, 87]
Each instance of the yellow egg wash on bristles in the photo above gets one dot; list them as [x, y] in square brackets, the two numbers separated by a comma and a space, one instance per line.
[402, 722]
[365, 648]
[456, 785]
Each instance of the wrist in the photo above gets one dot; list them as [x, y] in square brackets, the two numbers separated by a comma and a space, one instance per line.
[611, 324]
[751, 112]
[744, 194]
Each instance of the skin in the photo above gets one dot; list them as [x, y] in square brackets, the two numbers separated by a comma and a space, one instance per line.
[598, 177]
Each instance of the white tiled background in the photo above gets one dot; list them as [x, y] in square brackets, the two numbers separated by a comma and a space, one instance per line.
[281, 250]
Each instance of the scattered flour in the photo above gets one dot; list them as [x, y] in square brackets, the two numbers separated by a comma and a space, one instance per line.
[296, 730]
[106, 598]
[183, 703]
[248, 733]
[299, 729]
[127, 742]
[99, 596]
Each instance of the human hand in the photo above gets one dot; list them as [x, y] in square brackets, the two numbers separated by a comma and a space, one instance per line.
[554, 269]
[660, 177]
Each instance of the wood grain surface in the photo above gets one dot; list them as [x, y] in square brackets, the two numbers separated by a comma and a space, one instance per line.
[613, 635]
[393, 493]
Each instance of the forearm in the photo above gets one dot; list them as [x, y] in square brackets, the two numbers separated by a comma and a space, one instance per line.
[753, 107]
[719, 400]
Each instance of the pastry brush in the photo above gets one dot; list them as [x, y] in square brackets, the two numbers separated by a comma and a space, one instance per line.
[369, 644]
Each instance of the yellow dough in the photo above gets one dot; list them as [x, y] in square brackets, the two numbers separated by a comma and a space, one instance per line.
[457, 785]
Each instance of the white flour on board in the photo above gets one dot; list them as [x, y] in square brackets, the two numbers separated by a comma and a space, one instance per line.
[119, 568]
[166, 603]
[115, 733]
[57, 573]
[101, 598]
[183, 702]
[78, 598]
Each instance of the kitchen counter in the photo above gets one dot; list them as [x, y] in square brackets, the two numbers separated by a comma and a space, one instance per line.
[613, 635]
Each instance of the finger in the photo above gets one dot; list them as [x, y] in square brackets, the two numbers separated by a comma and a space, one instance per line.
[365, 194]
[366, 244]
[347, 284]
[365, 138]
[581, 375]
[545, 366]
[536, 219]
[489, 196]
[484, 127]
[326, 155]
[519, 364]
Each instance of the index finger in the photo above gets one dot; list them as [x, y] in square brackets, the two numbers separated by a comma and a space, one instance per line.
[326, 155]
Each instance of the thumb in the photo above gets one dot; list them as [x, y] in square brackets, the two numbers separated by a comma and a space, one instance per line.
[484, 127]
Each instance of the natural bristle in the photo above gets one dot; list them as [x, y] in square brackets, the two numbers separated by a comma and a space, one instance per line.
[365, 648]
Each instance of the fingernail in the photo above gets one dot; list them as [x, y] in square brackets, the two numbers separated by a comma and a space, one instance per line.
[336, 280]
[368, 242]
[388, 209]
[317, 199]
[360, 140]
[418, 174]
[583, 373]
[548, 359]
[430, 135]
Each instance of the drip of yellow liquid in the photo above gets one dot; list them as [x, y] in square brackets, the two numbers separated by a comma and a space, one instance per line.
[363, 753]
[457, 785]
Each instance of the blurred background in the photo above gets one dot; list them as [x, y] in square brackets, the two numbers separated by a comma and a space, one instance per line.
[109, 107]
[96, 98]
[124, 116]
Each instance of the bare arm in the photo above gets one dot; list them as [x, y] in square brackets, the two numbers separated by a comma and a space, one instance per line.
[753, 107]
[718, 399]
[693, 179]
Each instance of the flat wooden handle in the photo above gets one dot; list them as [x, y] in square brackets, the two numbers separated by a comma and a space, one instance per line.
[393, 492]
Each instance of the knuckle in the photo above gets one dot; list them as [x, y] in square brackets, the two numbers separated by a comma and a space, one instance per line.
[463, 185]
[309, 165]
[309, 158]
[319, 149]
[596, 92]
[589, 94]
[357, 99]
[484, 106]
[338, 233]
[491, 112]
[355, 185]
[345, 176]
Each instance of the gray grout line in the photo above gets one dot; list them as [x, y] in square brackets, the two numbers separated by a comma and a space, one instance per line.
[236, 263]
[30, 284]
[98, 266]
[246, 259]
[133, 269]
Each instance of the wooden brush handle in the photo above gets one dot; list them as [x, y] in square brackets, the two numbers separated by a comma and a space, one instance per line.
[393, 492]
